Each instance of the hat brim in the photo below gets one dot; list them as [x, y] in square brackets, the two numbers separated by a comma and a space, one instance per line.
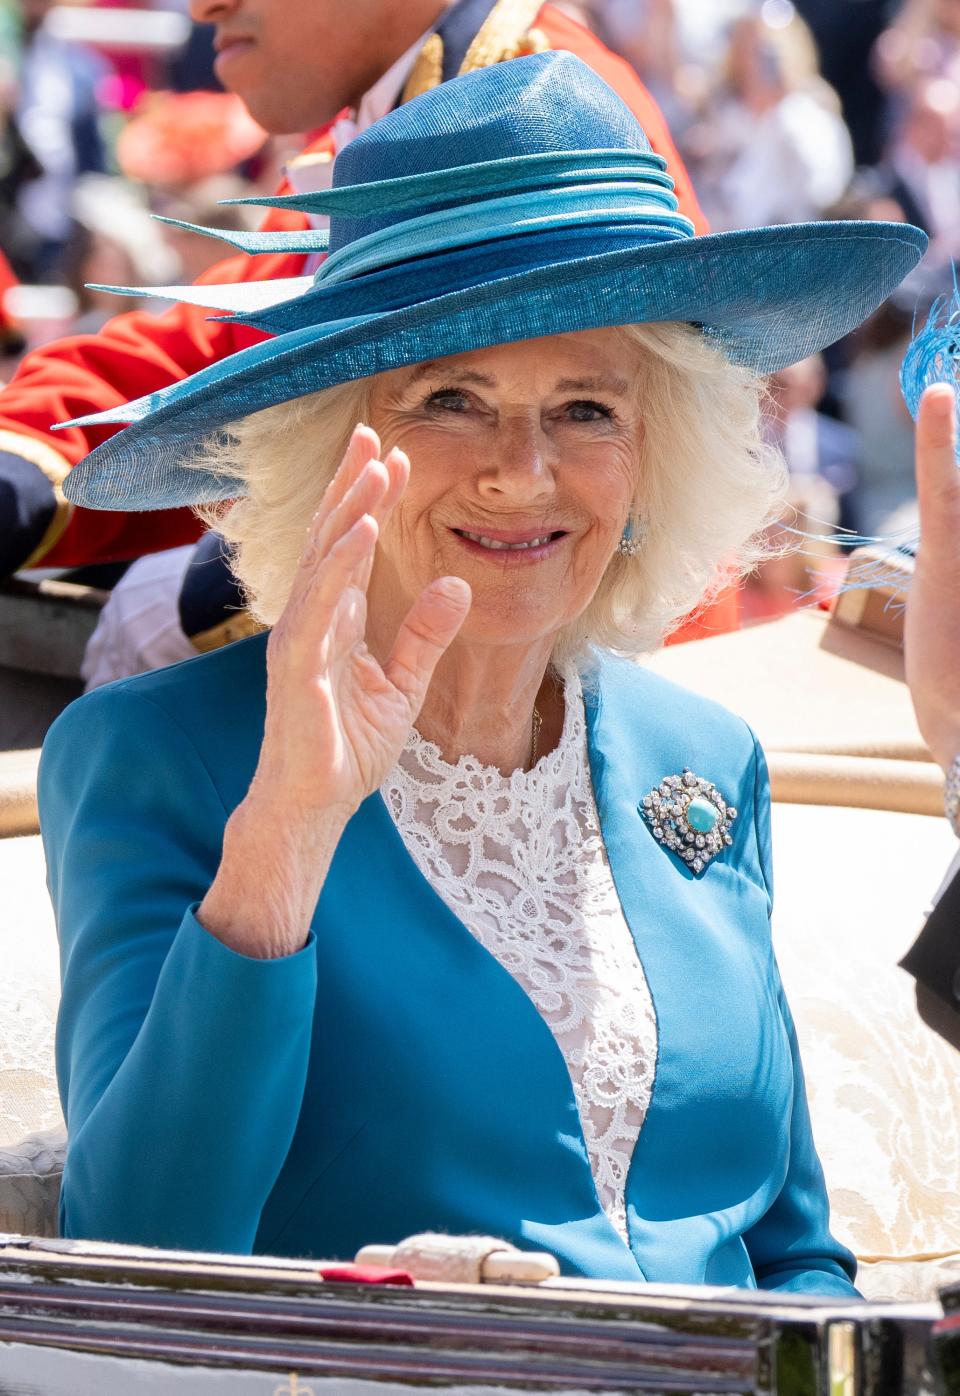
[769, 297]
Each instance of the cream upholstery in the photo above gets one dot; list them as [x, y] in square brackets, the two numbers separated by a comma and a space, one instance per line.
[31, 1125]
[30, 1174]
[884, 1089]
[29, 992]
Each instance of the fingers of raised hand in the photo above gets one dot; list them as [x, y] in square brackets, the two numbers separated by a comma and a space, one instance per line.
[363, 446]
[397, 464]
[364, 496]
[362, 449]
[342, 540]
[397, 467]
[430, 627]
[309, 614]
[938, 479]
[328, 529]
[375, 491]
[375, 488]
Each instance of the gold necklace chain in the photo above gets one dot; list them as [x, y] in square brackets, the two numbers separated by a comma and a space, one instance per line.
[536, 725]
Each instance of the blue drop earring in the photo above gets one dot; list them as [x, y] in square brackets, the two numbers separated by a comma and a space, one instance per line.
[631, 540]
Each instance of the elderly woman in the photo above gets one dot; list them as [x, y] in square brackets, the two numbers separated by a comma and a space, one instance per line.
[426, 911]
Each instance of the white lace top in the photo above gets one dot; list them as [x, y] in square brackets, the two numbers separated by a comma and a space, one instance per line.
[521, 861]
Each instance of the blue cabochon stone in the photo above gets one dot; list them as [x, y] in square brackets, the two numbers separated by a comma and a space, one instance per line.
[702, 815]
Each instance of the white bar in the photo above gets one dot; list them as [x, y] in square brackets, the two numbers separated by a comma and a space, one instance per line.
[143, 30]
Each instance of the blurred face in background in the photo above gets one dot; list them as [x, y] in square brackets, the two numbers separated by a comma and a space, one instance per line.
[948, 16]
[296, 63]
[798, 386]
[933, 121]
[33, 13]
[763, 62]
[753, 69]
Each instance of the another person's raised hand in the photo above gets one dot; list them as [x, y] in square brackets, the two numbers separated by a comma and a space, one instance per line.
[336, 719]
[932, 627]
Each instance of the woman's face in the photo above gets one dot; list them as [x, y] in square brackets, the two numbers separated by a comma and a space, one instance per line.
[524, 463]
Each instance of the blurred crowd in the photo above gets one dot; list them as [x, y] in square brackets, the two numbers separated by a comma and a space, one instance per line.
[784, 110]
[110, 114]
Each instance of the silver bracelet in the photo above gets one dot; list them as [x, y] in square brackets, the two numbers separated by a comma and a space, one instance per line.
[951, 796]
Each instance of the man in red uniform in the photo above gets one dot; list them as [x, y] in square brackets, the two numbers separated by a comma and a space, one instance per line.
[298, 65]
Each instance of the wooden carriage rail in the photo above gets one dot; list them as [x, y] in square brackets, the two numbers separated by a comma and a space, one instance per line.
[806, 778]
[18, 793]
[173, 1311]
[859, 782]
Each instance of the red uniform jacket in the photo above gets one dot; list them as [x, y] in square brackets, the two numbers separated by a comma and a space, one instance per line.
[138, 353]
[7, 283]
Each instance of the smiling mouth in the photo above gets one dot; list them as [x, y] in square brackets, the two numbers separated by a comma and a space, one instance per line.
[500, 545]
[231, 43]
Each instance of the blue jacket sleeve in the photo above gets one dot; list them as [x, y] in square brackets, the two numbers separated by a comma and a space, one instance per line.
[791, 1247]
[181, 1063]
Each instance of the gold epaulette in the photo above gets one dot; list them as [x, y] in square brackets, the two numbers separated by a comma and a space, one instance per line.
[55, 467]
[427, 71]
[239, 626]
[507, 32]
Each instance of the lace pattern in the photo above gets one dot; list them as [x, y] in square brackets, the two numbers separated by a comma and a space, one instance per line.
[520, 860]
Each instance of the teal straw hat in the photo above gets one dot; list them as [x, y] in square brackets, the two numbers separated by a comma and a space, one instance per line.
[520, 201]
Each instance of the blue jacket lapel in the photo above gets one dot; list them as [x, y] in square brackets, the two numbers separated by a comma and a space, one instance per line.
[704, 945]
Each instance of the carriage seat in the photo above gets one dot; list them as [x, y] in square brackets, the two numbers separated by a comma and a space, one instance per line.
[858, 852]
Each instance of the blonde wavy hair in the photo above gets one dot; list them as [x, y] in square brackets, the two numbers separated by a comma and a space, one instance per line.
[707, 484]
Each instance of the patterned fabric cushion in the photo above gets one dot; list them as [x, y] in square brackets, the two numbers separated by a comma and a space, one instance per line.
[30, 1183]
[32, 1138]
[29, 993]
[852, 887]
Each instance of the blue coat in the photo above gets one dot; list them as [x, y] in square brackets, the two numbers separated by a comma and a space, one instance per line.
[392, 1077]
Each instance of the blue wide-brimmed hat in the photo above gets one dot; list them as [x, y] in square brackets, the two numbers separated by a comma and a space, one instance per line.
[520, 201]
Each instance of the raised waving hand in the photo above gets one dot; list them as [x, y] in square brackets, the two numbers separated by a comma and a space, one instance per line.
[932, 630]
[337, 718]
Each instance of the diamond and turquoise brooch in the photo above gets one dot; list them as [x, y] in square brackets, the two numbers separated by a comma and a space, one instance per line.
[688, 815]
